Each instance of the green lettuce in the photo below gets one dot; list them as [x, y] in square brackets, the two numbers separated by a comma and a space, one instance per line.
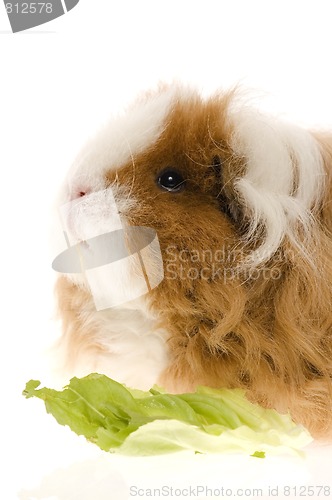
[132, 422]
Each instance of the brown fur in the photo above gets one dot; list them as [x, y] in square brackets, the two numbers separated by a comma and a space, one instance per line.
[272, 337]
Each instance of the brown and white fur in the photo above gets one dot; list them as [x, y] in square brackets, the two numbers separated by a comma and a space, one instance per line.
[255, 187]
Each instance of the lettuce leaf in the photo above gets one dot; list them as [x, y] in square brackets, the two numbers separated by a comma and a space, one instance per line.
[132, 422]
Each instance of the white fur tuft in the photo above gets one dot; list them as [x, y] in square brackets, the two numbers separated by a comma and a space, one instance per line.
[132, 350]
[283, 180]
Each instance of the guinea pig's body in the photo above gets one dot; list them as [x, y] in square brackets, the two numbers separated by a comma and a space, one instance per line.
[241, 204]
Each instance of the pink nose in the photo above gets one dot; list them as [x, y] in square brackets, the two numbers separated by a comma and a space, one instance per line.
[80, 192]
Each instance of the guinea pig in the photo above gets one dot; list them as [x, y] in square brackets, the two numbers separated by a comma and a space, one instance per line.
[241, 203]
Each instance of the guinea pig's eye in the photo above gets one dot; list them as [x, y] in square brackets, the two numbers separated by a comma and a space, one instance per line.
[171, 180]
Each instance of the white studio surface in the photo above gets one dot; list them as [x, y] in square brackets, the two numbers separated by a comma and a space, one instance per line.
[59, 82]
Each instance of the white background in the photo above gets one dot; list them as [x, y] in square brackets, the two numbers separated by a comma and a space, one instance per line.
[58, 83]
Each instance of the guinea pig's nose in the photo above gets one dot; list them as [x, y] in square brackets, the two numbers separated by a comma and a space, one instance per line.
[80, 192]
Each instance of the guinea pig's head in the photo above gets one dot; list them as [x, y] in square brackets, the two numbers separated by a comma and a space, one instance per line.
[219, 182]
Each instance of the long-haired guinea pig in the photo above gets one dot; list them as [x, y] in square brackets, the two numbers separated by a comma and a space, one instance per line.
[241, 204]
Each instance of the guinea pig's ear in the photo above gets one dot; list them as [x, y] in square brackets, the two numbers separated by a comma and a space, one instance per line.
[282, 180]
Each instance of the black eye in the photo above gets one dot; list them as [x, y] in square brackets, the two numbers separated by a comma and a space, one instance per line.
[171, 180]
